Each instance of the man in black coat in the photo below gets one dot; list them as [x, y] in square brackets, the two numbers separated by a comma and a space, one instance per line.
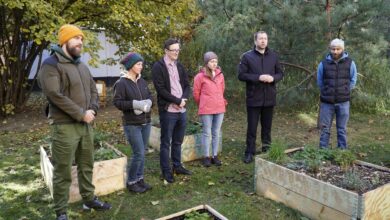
[171, 82]
[260, 69]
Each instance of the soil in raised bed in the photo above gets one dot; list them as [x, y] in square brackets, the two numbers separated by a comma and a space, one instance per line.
[356, 178]
[359, 179]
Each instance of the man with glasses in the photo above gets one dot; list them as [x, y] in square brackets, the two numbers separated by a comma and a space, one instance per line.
[171, 82]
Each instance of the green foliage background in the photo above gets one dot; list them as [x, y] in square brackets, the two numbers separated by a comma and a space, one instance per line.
[28, 27]
[300, 32]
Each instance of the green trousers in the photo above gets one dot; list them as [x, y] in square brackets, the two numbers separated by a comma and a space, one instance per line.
[72, 142]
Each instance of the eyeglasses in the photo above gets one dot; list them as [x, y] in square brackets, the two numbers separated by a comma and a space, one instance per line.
[174, 50]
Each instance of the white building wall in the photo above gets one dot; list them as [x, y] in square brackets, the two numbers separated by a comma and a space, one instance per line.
[102, 70]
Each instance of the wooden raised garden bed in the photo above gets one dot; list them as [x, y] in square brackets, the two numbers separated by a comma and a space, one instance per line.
[212, 213]
[108, 175]
[190, 149]
[317, 199]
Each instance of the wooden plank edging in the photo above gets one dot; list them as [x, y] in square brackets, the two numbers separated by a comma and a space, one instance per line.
[196, 208]
[363, 163]
[182, 212]
[309, 207]
[376, 203]
[287, 151]
[319, 191]
[215, 212]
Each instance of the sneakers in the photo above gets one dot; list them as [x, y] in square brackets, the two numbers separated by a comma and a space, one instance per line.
[181, 170]
[135, 187]
[142, 183]
[96, 205]
[215, 161]
[62, 216]
[206, 162]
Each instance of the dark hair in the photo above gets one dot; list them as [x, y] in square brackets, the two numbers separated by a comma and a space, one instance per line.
[257, 33]
[169, 42]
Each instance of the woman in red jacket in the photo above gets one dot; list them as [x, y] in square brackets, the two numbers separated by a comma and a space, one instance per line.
[209, 86]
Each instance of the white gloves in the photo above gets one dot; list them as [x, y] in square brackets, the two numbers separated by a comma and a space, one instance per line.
[141, 106]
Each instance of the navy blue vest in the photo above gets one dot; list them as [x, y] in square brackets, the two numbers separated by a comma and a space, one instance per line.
[336, 80]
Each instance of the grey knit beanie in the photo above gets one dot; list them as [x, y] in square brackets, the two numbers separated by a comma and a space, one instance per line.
[209, 56]
[337, 43]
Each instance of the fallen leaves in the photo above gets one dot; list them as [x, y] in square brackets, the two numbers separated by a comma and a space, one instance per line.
[211, 183]
[155, 202]
[228, 194]
[361, 154]
[380, 137]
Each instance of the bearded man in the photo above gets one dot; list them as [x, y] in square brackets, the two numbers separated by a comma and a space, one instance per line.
[73, 103]
[336, 77]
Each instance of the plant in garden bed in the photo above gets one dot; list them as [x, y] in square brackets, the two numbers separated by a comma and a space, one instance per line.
[312, 158]
[276, 152]
[103, 153]
[334, 166]
[197, 215]
[354, 180]
[193, 127]
[344, 158]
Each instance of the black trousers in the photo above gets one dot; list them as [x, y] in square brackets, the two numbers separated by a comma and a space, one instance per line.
[253, 115]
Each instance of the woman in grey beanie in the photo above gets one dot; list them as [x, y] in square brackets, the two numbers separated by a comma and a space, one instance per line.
[209, 86]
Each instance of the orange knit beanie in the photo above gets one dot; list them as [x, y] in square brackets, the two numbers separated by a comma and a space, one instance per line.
[67, 32]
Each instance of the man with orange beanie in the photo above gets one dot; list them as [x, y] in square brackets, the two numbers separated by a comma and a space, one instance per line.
[73, 104]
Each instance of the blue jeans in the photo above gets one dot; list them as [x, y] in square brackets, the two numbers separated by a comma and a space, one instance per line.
[173, 126]
[138, 138]
[327, 111]
[210, 132]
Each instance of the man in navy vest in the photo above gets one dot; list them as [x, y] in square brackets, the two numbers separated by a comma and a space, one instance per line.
[336, 77]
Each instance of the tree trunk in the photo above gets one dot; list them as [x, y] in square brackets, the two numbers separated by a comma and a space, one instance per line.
[15, 90]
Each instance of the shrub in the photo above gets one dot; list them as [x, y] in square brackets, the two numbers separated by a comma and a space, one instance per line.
[193, 128]
[99, 137]
[104, 153]
[314, 153]
[344, 158]
[313, 157]
[353, 181]
[195, 215]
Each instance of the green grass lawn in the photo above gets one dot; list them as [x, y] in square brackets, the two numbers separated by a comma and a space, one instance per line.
[229, 188]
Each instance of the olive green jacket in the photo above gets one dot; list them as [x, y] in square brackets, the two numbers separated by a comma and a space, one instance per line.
[69, 88]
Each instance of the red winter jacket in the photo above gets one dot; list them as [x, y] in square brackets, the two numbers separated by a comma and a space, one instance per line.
[208, 93]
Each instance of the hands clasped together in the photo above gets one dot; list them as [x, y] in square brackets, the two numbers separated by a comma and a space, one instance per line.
[266, 78]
